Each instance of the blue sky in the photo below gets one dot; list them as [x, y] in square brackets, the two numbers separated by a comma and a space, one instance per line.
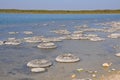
[60, 4]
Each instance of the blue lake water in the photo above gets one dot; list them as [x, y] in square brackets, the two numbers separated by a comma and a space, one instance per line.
[36, 18]
[13, 59]
[22, 22]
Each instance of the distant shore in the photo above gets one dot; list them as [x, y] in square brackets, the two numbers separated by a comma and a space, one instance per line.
[60, 11]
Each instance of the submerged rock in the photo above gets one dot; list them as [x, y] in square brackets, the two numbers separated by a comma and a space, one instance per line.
[65, 37]
[93, 37]
[11, 39]
[76, 36]
[96, 39]
[35, 39]
[92, 30]
[28, 32]
[52, 39]
[47, 45]
[13, 33]
[37, 70]
[39, 63]
[116, 47]
[46, 24]
[12, 42]
[83, 38]
[63, 25]
[61, 32]
[1, 43]
[77, 32]
[81, 26]
[67, 58]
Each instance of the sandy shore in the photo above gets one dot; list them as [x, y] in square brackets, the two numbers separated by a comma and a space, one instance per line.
[114, 76]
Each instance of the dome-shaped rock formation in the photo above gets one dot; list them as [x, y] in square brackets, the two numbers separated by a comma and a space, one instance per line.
[67, 58]
[39, 63]
[47, 45]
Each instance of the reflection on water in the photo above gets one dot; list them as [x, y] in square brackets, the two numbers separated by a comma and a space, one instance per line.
[13, 59]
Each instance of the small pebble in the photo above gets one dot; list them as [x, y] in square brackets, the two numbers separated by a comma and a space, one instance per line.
[93, 75]
[80, 70]
[73, 76]
[109, 71]
[106, 64]
[95, 71]
[118, 54]
[113, 69]
[90, 72]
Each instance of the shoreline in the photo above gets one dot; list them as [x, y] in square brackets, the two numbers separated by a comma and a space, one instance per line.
[59, 11]
[111, 76]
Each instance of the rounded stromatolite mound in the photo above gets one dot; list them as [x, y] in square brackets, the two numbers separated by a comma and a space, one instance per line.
[35, 39]
[13, 33]
[114, 35]
[14, 42]
[67, 58]
[28, 32]
[39, 63]
[96, 39]
[47, 45]
[62, 32]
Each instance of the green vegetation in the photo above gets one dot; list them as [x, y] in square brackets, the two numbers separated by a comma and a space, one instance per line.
[60, 11]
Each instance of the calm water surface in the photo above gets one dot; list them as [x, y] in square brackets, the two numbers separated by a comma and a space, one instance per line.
[13, 59]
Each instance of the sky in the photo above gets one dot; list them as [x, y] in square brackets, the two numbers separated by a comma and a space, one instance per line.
[60, 4]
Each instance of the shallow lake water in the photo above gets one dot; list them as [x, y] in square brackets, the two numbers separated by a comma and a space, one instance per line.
[13, 59]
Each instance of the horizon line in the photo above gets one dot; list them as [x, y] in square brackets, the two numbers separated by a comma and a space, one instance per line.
[60, 9]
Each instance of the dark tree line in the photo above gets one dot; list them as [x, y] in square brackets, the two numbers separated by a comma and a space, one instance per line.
[60, 11]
